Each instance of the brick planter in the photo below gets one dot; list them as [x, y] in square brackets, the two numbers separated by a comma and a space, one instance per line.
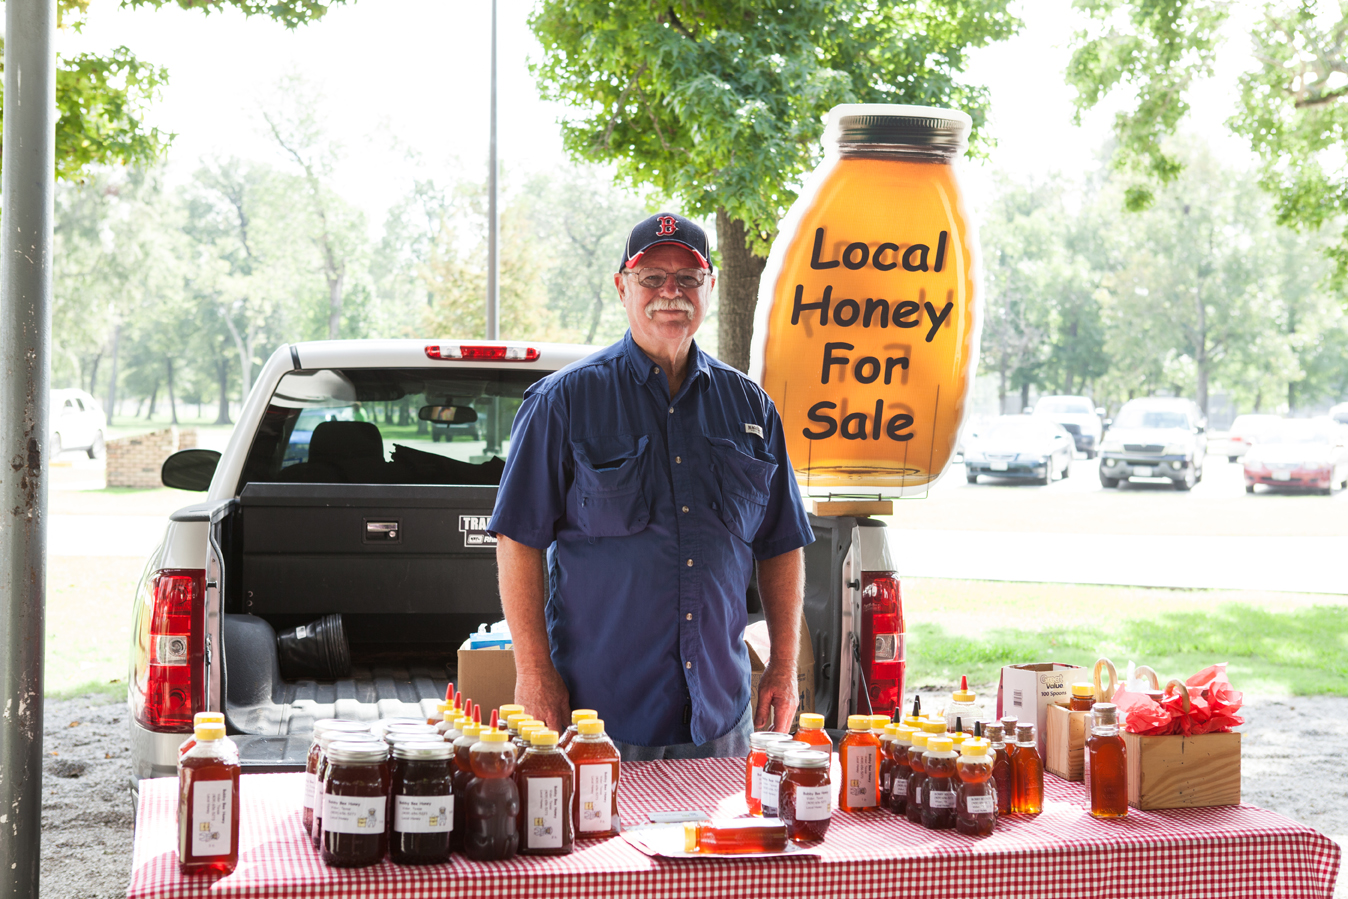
[135, 461]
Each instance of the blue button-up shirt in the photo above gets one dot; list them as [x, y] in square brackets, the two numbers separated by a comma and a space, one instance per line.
[653, 510]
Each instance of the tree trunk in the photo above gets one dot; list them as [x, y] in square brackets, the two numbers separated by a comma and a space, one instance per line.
[112, 384]
[738, 286]
[245, 354]
[222, 369]
[335, 277]
[173, 403]
[595, 315]
[93, 373]
[1024, 395]
[154, 395]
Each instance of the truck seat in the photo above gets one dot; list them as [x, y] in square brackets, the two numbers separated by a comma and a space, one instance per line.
[343, 452]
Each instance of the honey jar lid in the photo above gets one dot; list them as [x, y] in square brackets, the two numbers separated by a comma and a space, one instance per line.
[920, 739]
[940, 744]
[579, 715]
[903, 734]
[409, 727]
[393, 739]
[942, 131]
[590, 726]
[858, 722]
[811, 720]
[350, 752]
[492, 737]
[808, 758]
[422, 751]
[543, 737]
[1084, 688]
[933, 725]
[509, 709]
[974, 748]
[879, 722]
[779, 749]
[328, 737]
[761, 738]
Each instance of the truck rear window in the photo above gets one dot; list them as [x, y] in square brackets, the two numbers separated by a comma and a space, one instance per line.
[366, 426]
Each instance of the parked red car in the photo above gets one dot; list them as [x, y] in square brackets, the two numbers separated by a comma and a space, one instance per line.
[1309, 454]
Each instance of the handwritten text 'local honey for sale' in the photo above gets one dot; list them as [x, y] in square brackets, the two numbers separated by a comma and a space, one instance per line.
[868, 313]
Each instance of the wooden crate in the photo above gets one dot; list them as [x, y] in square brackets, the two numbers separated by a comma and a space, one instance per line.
[1065, 742]
[1183, 772]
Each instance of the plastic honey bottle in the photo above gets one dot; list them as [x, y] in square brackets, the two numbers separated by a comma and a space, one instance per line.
[858, 755]
[577, 716]
[901, 771]
[208, 801]
[1001, 768]
[461, 777]
[963, 707]
[811, 731]
[1106, 764]
[598, 767]
[491, 819]
[918, 778]
[938, 793]
[547, 785]
[734, 837]
[1028, 795]
[886, 764]
[976, 797]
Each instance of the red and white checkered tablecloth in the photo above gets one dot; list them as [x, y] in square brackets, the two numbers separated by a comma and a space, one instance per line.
[1233, 851]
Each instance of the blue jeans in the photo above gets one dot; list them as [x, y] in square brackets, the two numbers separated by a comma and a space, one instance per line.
[734, 743]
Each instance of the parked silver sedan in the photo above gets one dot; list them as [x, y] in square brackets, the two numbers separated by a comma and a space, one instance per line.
[1019, 446]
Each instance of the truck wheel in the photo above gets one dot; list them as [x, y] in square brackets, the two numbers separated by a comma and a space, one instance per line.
[1187, 482]
[1108, 483]
[1067, 469]
[971, 478]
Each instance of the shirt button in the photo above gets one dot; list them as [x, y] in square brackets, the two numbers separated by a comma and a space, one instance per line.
[671, 410]
[685, 508]
[690, 563]
[688, 664]
[678, 459]
[688, 617]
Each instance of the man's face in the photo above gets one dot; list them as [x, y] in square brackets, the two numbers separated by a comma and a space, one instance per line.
[668, 313]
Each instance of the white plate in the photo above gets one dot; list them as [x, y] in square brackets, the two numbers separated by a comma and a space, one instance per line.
[997, 466]
[1142, 471]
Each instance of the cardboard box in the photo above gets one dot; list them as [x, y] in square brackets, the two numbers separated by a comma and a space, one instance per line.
[1027, 691]
[760, 651]
[1183, 772]
[486, 676]
[1065, 741]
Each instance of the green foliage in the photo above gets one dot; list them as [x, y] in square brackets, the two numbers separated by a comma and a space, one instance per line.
[721, 103]
[290, 13]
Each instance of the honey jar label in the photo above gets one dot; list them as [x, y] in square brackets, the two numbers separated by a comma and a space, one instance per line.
[771, 785]
[543, 814]
[354, 814]
[861, 777]
[756, 782]
[813, 803]
[211, 804]
[940, 799]
[423, 814]
[900, 786]
[980, 805]
[594, 793]
[310, 790]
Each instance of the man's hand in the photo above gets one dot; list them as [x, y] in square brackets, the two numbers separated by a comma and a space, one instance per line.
[544, 695]
[777, 697]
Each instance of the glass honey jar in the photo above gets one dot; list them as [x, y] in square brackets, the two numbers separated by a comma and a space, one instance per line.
[806, 797]
[423, 802]
[773, 770]
[753, 768]
[355, 804]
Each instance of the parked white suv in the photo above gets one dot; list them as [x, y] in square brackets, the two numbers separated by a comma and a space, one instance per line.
[1155, 437]
[77, 423]
[1078, 416]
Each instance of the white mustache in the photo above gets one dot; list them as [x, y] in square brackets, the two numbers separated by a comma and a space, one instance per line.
[675, 304]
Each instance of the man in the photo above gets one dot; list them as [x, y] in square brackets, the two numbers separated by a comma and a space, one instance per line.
[651, 476]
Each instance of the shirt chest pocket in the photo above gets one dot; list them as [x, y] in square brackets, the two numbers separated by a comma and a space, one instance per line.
[744, 481]
[610, 485]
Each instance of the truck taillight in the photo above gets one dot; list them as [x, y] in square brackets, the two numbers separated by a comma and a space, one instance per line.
[462, 352]
[167, 677]
[882, 640]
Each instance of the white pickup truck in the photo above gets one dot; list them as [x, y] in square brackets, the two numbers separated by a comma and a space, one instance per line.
[342, 492]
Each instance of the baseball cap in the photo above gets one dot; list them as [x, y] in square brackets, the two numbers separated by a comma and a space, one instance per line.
[663, 228]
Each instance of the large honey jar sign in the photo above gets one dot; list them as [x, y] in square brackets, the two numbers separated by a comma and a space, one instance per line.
[868, 319]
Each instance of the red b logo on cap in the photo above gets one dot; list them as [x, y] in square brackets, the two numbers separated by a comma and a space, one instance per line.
[667, 226]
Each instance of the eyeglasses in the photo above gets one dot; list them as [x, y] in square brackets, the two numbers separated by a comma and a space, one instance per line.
[655, 278]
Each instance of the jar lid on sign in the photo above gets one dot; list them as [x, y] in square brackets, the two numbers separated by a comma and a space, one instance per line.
[353, 753]
[943, 132]
[780, 748]
[808, 758]
[422, 751]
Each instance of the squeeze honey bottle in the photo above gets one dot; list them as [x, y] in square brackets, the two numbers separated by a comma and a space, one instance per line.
[491, 816]
[900, 771]
[1028, 795]
[1001, 768]
[547, 785]
[462, 774]
[312, 784]
[208, 718]
[963, 707]
[577, 716]
[1083, 697]
[208, 801]
[423, 803]
[886, 764]
[806, 800]
[811, 731]
[734, 837]
[598, 765]
[879, 255]
[938, 792]
[770, 781]
[1107, 764]
[918, 778]
[858, 755]
[753, 768]
[355, 805]
[976, 797]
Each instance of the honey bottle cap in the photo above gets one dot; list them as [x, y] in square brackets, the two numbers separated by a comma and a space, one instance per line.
[958, 738]
[913, 721]
[903, 734]
[472, 730]
[1106, 714]
[891, 730]
[858, 722]
[493, 736]
[933, 725]
[528, 728]
[878, 722]
[974, 748]
[209, 730]
[509, 709]
[812, 720]
[920, 739]
[514, 719]
[1024, 733]
[590, 726]
[964, 694]
[217, 718]
[441, 708]
[579, 715]
[543, 737]
[940, 744]
[1084, 689]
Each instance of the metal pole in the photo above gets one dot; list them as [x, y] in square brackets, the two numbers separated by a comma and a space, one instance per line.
[26, 188]
[493, 210]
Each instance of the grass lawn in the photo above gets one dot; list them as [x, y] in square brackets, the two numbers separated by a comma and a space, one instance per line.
[89, 623]
[1274, 642]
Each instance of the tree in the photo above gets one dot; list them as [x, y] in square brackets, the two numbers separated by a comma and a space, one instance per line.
[101, 99]
[720, 104]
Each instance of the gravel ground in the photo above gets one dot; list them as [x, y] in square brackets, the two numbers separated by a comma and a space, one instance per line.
[87, 818]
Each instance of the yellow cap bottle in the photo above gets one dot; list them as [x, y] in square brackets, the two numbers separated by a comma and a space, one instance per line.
[591, 726]
[940, 744]
[858, 722]
[579, 715]
[812, 721]
[505, 711]
[933, 726]
[543, 737]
